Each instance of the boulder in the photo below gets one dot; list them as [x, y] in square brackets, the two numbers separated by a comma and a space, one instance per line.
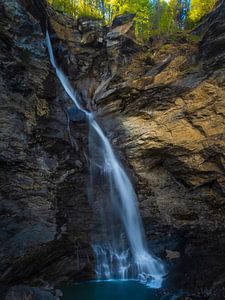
[123, 19]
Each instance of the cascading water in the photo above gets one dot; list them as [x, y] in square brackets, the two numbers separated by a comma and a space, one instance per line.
[119, 243]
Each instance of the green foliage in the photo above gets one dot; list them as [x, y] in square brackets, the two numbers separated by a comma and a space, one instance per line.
[78, 8]
[198, 9]
[152, 16]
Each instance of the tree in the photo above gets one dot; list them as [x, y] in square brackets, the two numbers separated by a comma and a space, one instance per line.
[198, 9]
[179, 10]
[152, 16]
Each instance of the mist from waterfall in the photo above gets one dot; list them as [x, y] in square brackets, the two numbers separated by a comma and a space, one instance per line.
[119, 242]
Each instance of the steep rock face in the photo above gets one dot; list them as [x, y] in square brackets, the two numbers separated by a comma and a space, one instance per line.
[91, 53]
[46, 224]
[168, 118]
[45, 215]
[162, 107]
[47, 221]
[82, 54]
[212, 45]
[171, 119]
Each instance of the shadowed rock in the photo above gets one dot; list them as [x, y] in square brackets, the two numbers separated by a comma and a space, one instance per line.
[23, 292]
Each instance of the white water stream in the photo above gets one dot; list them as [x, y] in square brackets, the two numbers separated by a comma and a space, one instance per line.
[119, 242]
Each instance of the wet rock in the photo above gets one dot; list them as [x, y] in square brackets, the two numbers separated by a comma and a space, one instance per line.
[76, 115]
[23, 292]
[58, 293]
[172, 254]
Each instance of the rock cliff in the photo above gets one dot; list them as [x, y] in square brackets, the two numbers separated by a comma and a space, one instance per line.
[45, 217]
[162, 106]
[166, 111]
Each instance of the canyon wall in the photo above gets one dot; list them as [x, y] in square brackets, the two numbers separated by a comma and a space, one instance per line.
[162, 106]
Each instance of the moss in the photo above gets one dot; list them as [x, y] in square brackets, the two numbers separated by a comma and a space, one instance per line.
[195, 38]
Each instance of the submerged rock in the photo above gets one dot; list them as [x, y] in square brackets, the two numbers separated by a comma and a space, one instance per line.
[172, 254]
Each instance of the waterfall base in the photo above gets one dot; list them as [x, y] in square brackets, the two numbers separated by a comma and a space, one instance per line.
[116, 289]
[120, 265]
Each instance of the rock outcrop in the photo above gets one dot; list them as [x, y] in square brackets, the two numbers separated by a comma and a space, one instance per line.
[162, 106]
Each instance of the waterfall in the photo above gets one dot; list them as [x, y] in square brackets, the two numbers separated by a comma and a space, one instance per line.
[119, 243]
